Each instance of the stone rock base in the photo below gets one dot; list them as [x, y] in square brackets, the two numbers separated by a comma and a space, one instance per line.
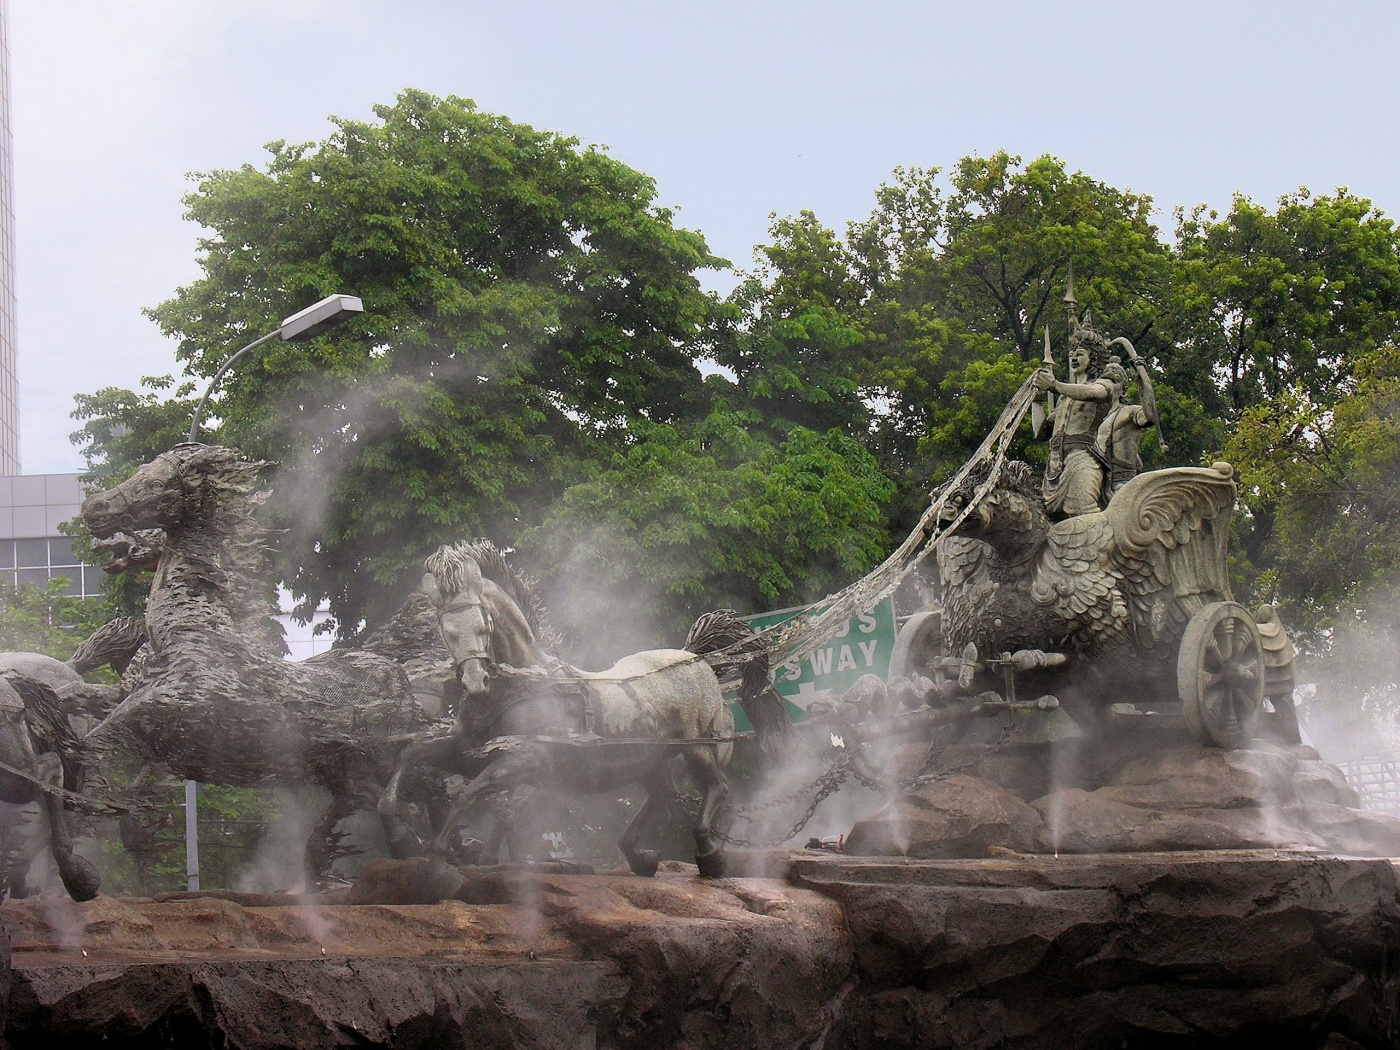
[553, 961]
[1233, 949]
[1192, 797]
[959, 816]
[1176, 797]
[1163, 950]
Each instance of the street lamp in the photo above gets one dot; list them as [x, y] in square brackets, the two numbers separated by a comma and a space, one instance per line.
[301, 326]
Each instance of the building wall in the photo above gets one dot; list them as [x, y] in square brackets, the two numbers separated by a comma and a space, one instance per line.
[9, 392]
[32, 506]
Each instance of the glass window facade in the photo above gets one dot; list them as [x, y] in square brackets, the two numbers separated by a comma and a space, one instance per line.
[38, 560]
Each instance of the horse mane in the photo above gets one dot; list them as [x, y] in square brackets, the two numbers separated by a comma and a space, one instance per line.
[222, 466]
[448, 565]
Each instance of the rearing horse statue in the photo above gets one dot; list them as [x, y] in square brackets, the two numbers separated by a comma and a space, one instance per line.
[530, 719]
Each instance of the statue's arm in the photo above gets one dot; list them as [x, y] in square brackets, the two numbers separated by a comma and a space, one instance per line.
[1095, 391]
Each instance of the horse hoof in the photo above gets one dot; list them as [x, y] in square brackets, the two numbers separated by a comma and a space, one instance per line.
[644, 863]
[404, 845]
[79, 877]
[711, 864]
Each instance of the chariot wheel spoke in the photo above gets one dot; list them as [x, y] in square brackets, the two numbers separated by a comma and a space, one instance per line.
[1227, 636]
[1220, 674]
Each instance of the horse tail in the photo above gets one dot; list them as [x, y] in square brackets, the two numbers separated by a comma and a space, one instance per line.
[728, 644]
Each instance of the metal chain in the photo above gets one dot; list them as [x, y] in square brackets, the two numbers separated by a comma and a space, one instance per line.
[826, 785]
[926, 773]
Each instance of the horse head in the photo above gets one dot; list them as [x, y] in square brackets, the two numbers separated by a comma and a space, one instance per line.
[1010, 518]
[457, 590]
[175, 490]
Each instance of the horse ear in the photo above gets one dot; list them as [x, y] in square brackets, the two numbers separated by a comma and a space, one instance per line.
[430, 588]
[471, 576]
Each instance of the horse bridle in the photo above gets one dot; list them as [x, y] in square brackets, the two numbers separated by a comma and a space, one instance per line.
[485, 656]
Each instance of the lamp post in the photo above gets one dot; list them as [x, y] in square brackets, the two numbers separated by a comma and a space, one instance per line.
[301, 326]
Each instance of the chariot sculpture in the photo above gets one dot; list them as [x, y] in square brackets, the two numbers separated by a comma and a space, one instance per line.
[1099, 584]
[1095, 584]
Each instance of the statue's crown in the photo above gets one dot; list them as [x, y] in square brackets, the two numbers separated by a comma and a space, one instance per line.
[1083, 333]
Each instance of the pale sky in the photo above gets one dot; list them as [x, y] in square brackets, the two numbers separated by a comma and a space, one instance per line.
[737, 110]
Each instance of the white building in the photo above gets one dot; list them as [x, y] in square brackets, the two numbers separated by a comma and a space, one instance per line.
[32, 550]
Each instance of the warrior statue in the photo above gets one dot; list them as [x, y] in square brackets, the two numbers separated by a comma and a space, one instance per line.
[1094, 437]
[1074, 474]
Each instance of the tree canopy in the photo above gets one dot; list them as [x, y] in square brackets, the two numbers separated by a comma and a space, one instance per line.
[525, 299]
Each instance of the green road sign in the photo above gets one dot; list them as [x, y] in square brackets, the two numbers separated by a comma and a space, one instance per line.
[861, 646]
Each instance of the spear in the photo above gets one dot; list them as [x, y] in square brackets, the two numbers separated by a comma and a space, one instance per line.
[1040, 415]
[1071, 303]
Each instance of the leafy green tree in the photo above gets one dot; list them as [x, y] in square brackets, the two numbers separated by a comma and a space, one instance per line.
[1328, 478]
[711, 514]
[45, 620]
[525, 301]
[963, 275]
[790, 335]
[1276, 317]
[123, 428]
[1327, 483]
[993, 252]
[913, 330]
[1264, 301]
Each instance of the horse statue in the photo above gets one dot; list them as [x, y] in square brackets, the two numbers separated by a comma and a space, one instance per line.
[527, 718]
[216, 701]
[39, 761]
[56, 698]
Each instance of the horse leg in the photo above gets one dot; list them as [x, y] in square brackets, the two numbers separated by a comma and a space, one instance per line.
[507, 816]
[661, 788]
[79, 877]
[19, 850]
[323, 845]
[499, 777]
[704, 766]
[402, 842]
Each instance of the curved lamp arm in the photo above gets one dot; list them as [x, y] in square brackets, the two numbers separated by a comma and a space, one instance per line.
[302, 325]
[213, 383]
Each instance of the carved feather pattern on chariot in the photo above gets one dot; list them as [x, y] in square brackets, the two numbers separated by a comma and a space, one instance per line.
[1171, 529]
[1125, 579]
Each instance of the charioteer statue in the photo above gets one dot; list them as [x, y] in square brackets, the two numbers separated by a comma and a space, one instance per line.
[1095, 436]
[1099, 584]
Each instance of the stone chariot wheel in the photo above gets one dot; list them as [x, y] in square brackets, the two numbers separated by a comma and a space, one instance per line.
[1220, 674]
